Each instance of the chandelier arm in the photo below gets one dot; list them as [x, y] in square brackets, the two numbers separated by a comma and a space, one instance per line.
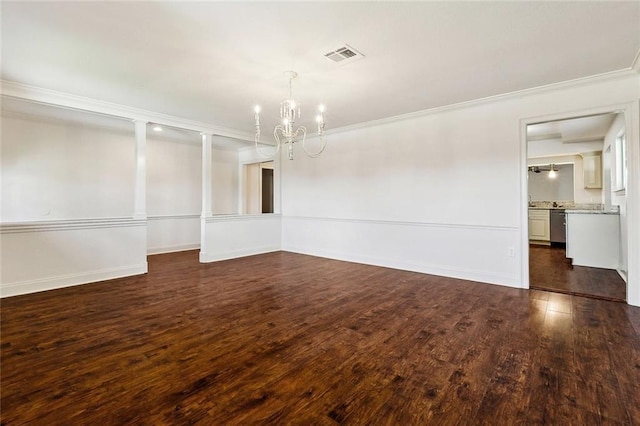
[277, 138]
[264, 153]
[323, 140]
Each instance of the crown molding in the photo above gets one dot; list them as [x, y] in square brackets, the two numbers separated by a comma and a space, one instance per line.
[598, 78]
[65, 100]
[636, 62]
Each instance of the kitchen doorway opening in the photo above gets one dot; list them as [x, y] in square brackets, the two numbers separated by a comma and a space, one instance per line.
[576, 205]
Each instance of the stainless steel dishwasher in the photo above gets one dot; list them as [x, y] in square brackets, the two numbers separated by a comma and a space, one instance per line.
[557, 226]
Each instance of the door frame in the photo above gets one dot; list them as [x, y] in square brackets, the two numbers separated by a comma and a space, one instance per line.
[631, 113]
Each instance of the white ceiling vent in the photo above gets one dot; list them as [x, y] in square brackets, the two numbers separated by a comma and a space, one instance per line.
[344, 54]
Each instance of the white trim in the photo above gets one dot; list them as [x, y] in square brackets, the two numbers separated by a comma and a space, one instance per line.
[594, 79]
[424, 268]
[524, 206]
[46, 96]
[172, 249]
[61, 225]
[61, 281]
[636, 62]
[208, 257]
[622, 274]
[386, 259]
[51, 97]
[173, 216]
[406, 223]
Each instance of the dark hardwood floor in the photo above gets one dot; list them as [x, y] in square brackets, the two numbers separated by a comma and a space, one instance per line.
[283, 338]
[550, 270]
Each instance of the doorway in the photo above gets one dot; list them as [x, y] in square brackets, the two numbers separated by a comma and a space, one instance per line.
[258, 188]
[575, 213]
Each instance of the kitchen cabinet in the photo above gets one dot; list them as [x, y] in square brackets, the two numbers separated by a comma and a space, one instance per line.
[592, 169]
[593, 239]
[539, 229]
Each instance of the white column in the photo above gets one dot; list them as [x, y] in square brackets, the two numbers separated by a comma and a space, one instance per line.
[207, 204]
[140, 202]
[207, 157]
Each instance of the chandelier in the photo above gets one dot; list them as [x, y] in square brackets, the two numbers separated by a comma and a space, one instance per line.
[286, 132]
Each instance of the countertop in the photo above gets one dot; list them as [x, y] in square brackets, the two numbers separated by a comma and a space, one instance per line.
[592, 212]
[572, 207]
[547, 208]
[575, 209]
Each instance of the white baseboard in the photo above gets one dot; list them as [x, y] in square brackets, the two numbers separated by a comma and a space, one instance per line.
[622, 274]
[52, 283]
[215, 257]
[424, 268]
[172, 249]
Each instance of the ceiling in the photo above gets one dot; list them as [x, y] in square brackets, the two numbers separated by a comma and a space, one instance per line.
[213, 61]
[568, 137]
[21, 109]
[574, 130]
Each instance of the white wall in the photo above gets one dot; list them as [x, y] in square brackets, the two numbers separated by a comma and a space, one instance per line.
[174, 192]
[54, 170]
[228, 237]
[427, 169]
[436, 193]
[67, 204]
[459, 170]
[174, 176]
[544, 188]
[225, 181]
[55, 254]
[580, 193]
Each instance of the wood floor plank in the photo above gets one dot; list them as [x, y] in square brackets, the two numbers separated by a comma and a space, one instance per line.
[283, 338]
[550, 270]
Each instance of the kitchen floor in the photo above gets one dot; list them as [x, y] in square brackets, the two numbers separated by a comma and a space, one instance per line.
[550, 270]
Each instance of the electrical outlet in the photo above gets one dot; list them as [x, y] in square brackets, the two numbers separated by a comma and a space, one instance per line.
[511, 252]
